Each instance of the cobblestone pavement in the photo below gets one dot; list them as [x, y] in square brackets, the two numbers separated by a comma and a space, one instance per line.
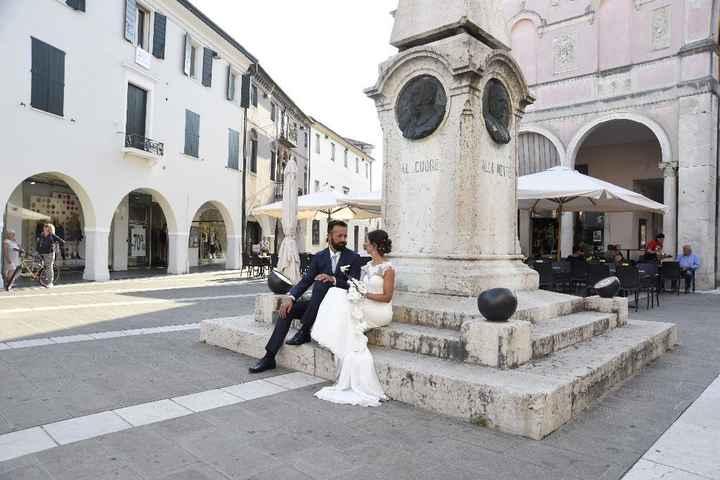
[288, 434]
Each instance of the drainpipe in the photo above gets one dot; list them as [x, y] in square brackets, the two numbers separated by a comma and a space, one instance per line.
[243, 219]
[717, 191]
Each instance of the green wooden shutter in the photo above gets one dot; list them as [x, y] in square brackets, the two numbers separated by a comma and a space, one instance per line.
[245, 91]
[56, 94]
[160, 26]
[40, 74]
[187, 54]
[230, 89]
[208, 56]
[233, 148]
[76, 4]
[47, 90]
[131, 21]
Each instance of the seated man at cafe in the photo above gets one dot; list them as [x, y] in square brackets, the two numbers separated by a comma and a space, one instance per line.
[611, 253]
[689, 263]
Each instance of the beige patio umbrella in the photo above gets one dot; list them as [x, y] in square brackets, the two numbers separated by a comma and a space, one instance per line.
[289, 258]
[566, 190]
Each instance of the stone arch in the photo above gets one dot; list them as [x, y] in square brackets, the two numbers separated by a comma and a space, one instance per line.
[229, 246]
[231, 228]
[169, 212]
[531, 15]
[659, 132]
[554, 139]
[88, 208]
[86, 246]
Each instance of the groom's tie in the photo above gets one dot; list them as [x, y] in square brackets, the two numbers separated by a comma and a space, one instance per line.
[334, 258]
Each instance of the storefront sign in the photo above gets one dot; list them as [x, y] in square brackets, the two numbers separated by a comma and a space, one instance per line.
[137, 241]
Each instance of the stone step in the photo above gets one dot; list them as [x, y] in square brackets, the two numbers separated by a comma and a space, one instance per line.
[554, 334]
[442, 311]
[437, 342]
[533, 400]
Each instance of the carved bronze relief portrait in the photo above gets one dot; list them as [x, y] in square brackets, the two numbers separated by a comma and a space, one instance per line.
[497, 109]
[421, 107]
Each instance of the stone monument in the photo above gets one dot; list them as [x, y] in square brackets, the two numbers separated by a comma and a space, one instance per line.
[449, 103]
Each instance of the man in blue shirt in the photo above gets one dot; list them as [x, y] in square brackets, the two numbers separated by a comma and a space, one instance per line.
[689, 262]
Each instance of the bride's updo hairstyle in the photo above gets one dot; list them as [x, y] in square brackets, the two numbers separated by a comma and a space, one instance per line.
[381, 241]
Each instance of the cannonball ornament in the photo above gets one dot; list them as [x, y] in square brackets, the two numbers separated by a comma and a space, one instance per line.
[497, 304]
[278, 283]
[608, 287]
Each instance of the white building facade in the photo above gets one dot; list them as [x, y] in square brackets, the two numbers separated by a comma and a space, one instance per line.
[342, 165]
[127, 130]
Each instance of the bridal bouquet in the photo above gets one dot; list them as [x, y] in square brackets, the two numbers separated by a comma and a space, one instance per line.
[357, 291]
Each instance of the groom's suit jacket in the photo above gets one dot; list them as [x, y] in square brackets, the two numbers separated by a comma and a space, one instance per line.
[322, 263]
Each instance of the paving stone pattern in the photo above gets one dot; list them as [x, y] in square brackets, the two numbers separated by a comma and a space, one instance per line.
[292, 435]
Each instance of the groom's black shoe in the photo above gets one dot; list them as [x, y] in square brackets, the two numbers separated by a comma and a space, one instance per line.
[299, 339]
[265, 363]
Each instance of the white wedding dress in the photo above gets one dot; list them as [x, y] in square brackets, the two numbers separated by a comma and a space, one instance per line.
[340, 326]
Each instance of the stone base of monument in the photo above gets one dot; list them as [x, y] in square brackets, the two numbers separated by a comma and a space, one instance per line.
[528, 376]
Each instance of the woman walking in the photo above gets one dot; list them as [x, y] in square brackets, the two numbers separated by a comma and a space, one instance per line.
[46, 248]
[11, 259]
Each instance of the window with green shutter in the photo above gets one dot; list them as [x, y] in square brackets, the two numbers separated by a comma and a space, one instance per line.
[48, 78]
[233, 149]
[192, 134]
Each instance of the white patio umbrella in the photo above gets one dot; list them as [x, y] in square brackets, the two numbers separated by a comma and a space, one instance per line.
[25, 213]
[323, 205]
[566, 190]
[289, 258]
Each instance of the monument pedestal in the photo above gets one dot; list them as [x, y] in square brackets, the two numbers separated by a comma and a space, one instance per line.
[527, 376]
[449, 105]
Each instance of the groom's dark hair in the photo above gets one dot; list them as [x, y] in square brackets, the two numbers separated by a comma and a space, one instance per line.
[335, 223]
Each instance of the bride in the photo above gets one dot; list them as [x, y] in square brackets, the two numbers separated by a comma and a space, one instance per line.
[342, 320]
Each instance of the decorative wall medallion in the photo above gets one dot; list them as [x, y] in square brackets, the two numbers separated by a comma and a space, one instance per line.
[420, 107]
[564, 53]
[497, 110]
[661, 28]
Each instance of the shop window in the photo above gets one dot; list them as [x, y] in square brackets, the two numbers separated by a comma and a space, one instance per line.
[48, 78]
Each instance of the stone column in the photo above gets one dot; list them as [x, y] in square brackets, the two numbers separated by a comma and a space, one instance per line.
[233, 257]
[670, 200]
[96, 254]
[697, 179]
[567, 234]
[178, 253]
[525, 232]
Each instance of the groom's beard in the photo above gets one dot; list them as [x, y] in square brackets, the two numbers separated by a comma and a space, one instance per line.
[339, 247]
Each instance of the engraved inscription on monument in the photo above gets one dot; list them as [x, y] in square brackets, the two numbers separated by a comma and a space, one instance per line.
[496, 111]
[421, 107]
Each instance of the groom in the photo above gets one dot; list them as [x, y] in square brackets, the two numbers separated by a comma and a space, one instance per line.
[323, 274]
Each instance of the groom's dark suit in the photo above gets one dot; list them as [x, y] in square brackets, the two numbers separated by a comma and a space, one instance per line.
[307, 311]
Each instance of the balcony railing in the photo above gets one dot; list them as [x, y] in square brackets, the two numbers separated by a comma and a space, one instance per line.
[288, 133]
[152, 147]
[278, 191]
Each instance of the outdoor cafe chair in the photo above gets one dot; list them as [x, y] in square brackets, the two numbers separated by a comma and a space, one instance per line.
[629, 277]
[545, 270]
[671, 271]
[650, 282]
[561, 275]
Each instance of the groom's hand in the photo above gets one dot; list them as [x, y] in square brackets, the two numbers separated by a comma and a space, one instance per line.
[325, 278]
[285, 308]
